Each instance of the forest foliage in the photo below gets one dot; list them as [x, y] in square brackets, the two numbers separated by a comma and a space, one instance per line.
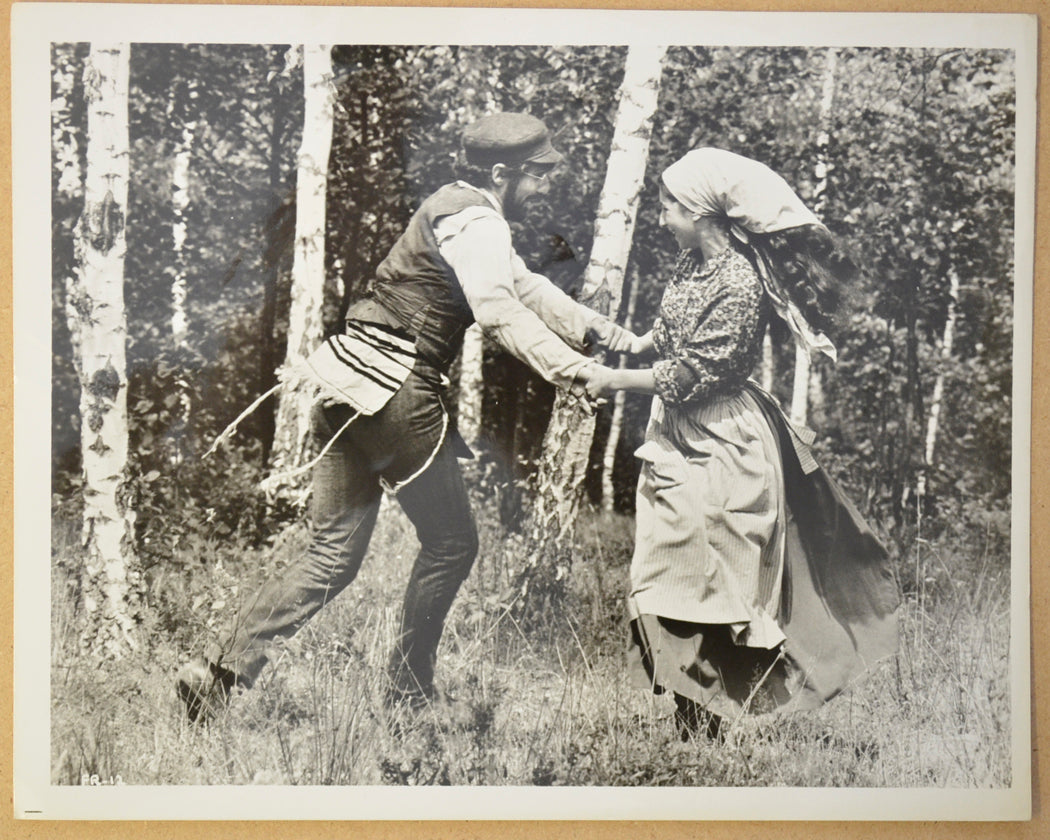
[919, 184]
[916, 176]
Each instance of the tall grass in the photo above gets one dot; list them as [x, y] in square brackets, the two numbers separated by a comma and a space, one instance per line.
[545, 707]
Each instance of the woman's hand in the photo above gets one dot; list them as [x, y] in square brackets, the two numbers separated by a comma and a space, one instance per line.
[599, 381]
[612, 336]
[642, 344]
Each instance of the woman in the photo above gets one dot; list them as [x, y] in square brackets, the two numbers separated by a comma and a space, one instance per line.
[754, 584]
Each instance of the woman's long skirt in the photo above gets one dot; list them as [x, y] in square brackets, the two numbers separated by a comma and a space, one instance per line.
[755, 583]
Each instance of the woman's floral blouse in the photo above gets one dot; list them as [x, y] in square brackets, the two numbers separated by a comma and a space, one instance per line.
[709, 329]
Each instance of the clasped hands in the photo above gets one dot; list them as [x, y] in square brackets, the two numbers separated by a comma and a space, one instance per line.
[616, 339]
[598, 380]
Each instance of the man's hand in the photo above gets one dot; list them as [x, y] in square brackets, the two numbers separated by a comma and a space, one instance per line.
[612, 336]
[599, 383]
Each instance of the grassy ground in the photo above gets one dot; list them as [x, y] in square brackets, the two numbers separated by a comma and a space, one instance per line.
[546, 707]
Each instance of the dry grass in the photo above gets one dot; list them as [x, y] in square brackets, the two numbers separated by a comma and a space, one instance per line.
[540, 708]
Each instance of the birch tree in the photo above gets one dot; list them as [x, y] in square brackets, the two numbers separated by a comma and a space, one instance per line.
[305, 327]
[570, 433]
[471, 381]
[937, 398]
[184, 127]
[767, 367]
[801, 384]
[619, 404]
[109, 577]
[475, 75]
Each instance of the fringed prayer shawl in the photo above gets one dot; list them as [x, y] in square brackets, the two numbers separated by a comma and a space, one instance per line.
[363, 368]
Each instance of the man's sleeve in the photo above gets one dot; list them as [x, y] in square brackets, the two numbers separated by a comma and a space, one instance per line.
[560, 312]
[481, 254]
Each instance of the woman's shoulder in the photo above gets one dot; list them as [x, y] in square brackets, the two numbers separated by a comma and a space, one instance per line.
[736, 260]
[736, 272]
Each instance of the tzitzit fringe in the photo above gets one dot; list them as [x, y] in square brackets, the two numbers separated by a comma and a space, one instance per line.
[270, 484]
[227, 433]
[293, 379]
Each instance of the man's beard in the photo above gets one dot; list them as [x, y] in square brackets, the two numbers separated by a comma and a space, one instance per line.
[516, 209]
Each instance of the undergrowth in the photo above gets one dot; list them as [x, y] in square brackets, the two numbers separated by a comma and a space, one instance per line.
[547, 706]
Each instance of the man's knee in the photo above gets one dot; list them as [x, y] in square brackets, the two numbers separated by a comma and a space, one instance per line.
[467, 543]
[456, 548]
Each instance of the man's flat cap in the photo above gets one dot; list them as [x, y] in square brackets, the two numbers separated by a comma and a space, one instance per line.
[511, 139]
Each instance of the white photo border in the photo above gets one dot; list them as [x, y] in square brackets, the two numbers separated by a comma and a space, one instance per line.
[36, 25]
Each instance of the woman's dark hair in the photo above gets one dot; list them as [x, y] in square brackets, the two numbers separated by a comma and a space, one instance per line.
[814, 269]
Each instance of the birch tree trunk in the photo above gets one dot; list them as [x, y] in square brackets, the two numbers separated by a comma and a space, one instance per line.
[305, 327]
[475, 73]
[938, 388]
[619, 403]
[110, 576]
[567, 443]
[827, 100]
[471, 385]
[801, 383]
[767, 371]
[274, 232]
[185, 128]
[800, 386]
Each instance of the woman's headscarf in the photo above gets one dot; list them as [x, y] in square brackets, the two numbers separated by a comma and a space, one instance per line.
[753, 199]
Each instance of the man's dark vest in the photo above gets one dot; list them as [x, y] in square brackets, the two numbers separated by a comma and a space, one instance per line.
[418, 288]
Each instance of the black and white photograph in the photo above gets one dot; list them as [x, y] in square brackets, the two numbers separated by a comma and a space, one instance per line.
[624, 414]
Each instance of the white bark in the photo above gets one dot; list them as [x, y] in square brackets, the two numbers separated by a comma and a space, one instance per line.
[568, 439]
[479, 79]
[625, 175]
[767, 370]
[619, 403]
[109, 580]
[800, 386]
[801, 383]
[180, 200]
[827, 100]
[938, 388]
[470, 385]
[305, 328]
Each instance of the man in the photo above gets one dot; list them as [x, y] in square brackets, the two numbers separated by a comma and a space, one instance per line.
[454, 264]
